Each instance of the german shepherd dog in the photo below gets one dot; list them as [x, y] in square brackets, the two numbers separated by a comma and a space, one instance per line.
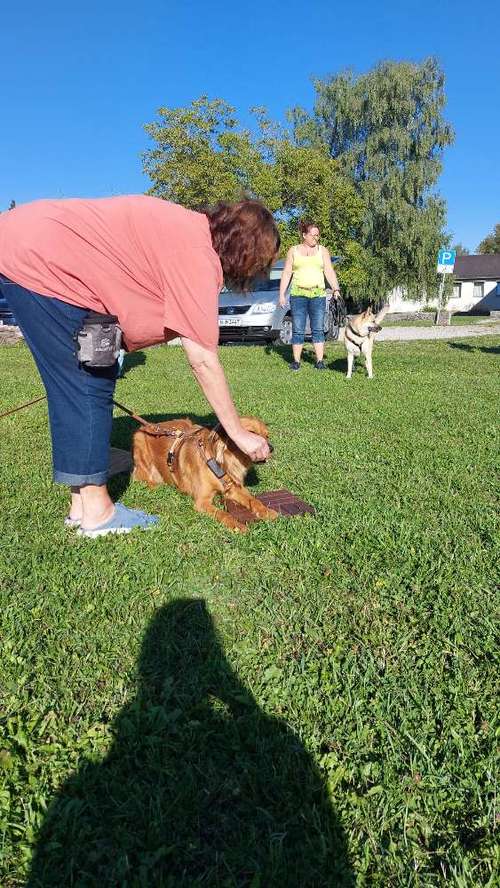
[359, 335]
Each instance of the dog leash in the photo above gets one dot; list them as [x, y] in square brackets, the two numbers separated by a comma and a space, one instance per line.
[150, 427]
[154, 429]
[22, 406]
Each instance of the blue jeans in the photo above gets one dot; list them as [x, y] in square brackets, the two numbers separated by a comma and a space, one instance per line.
[80, 400]
[301, 306]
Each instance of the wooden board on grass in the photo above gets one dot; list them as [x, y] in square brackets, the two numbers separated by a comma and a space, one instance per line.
[282, 501]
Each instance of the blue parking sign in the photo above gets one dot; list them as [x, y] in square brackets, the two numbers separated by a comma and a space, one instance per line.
[446, 261]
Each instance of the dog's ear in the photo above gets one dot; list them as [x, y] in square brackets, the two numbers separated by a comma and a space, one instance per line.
[255, 425]
[220, 447]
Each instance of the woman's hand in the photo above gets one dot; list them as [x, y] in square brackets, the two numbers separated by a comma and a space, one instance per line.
[254, 446]
[282, 301]
[210, 375]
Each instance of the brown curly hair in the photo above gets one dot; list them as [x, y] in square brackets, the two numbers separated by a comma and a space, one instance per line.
[305, 225]
[246, 238]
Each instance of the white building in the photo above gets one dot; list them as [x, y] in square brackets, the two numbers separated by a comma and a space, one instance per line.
[476, 287]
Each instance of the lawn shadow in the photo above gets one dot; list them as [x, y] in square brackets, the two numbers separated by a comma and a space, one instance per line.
[200, 786]
[486, 349]
[132, 360]
[339, 365]
[462, 346]
[285, 352]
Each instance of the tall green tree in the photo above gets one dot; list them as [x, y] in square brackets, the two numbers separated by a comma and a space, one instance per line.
[460, 250]
[387, 132]
[491, 243]
[202, 155]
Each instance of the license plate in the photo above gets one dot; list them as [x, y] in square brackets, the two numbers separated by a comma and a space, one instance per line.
[229, 322]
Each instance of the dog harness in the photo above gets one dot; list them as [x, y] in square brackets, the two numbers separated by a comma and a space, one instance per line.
[180, 437]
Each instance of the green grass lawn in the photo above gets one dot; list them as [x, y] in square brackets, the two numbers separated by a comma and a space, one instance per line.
[309, 704]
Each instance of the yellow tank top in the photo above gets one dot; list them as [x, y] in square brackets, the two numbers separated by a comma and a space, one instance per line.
[307, 273]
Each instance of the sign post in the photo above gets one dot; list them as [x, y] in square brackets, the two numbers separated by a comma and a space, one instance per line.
[445, 265]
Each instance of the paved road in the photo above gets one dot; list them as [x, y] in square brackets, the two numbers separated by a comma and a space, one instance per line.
[397, 334]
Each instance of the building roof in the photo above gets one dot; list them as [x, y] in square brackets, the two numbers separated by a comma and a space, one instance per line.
[485, 267]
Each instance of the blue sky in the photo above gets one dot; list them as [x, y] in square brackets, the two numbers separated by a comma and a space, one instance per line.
[79, 81]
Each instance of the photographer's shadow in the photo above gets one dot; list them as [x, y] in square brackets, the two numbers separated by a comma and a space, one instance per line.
[199, 787]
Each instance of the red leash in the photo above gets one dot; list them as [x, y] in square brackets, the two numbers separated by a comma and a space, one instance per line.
[22, 406]
[153, 429]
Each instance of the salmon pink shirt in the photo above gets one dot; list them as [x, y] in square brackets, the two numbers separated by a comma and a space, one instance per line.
[148, 261]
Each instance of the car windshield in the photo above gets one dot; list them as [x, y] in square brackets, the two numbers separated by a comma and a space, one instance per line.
[264, 285]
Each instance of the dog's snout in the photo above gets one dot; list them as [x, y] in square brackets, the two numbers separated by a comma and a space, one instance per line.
[271, 450]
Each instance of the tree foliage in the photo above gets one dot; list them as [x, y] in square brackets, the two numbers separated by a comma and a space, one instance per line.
[491, 243]
[202, 155]
[386, 130]
[363, 165]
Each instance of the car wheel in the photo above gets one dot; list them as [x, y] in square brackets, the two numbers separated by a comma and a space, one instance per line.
[285, 333]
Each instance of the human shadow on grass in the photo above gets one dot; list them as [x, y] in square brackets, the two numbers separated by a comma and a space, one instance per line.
[486, 349]
[200, 786]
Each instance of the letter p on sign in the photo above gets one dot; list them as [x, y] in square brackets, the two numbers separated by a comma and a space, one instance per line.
[446, 261]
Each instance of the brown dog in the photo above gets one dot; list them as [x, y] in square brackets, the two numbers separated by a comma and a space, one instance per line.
[183, 456]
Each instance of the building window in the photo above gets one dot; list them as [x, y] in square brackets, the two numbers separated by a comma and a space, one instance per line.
[478, 291]
[457, 291]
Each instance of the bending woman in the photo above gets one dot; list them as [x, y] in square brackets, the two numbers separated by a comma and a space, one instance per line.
[307, 265]
[158, 268]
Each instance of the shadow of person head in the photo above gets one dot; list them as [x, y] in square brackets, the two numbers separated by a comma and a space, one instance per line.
[199, 786]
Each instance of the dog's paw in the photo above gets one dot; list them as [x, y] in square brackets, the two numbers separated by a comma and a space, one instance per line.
[263, 513]
[272, 514]
[239, 528]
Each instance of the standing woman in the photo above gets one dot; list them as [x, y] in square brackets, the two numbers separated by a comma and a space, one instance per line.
[308, 264]
[158, 269]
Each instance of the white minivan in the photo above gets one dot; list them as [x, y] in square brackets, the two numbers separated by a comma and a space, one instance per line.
[256, 315]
